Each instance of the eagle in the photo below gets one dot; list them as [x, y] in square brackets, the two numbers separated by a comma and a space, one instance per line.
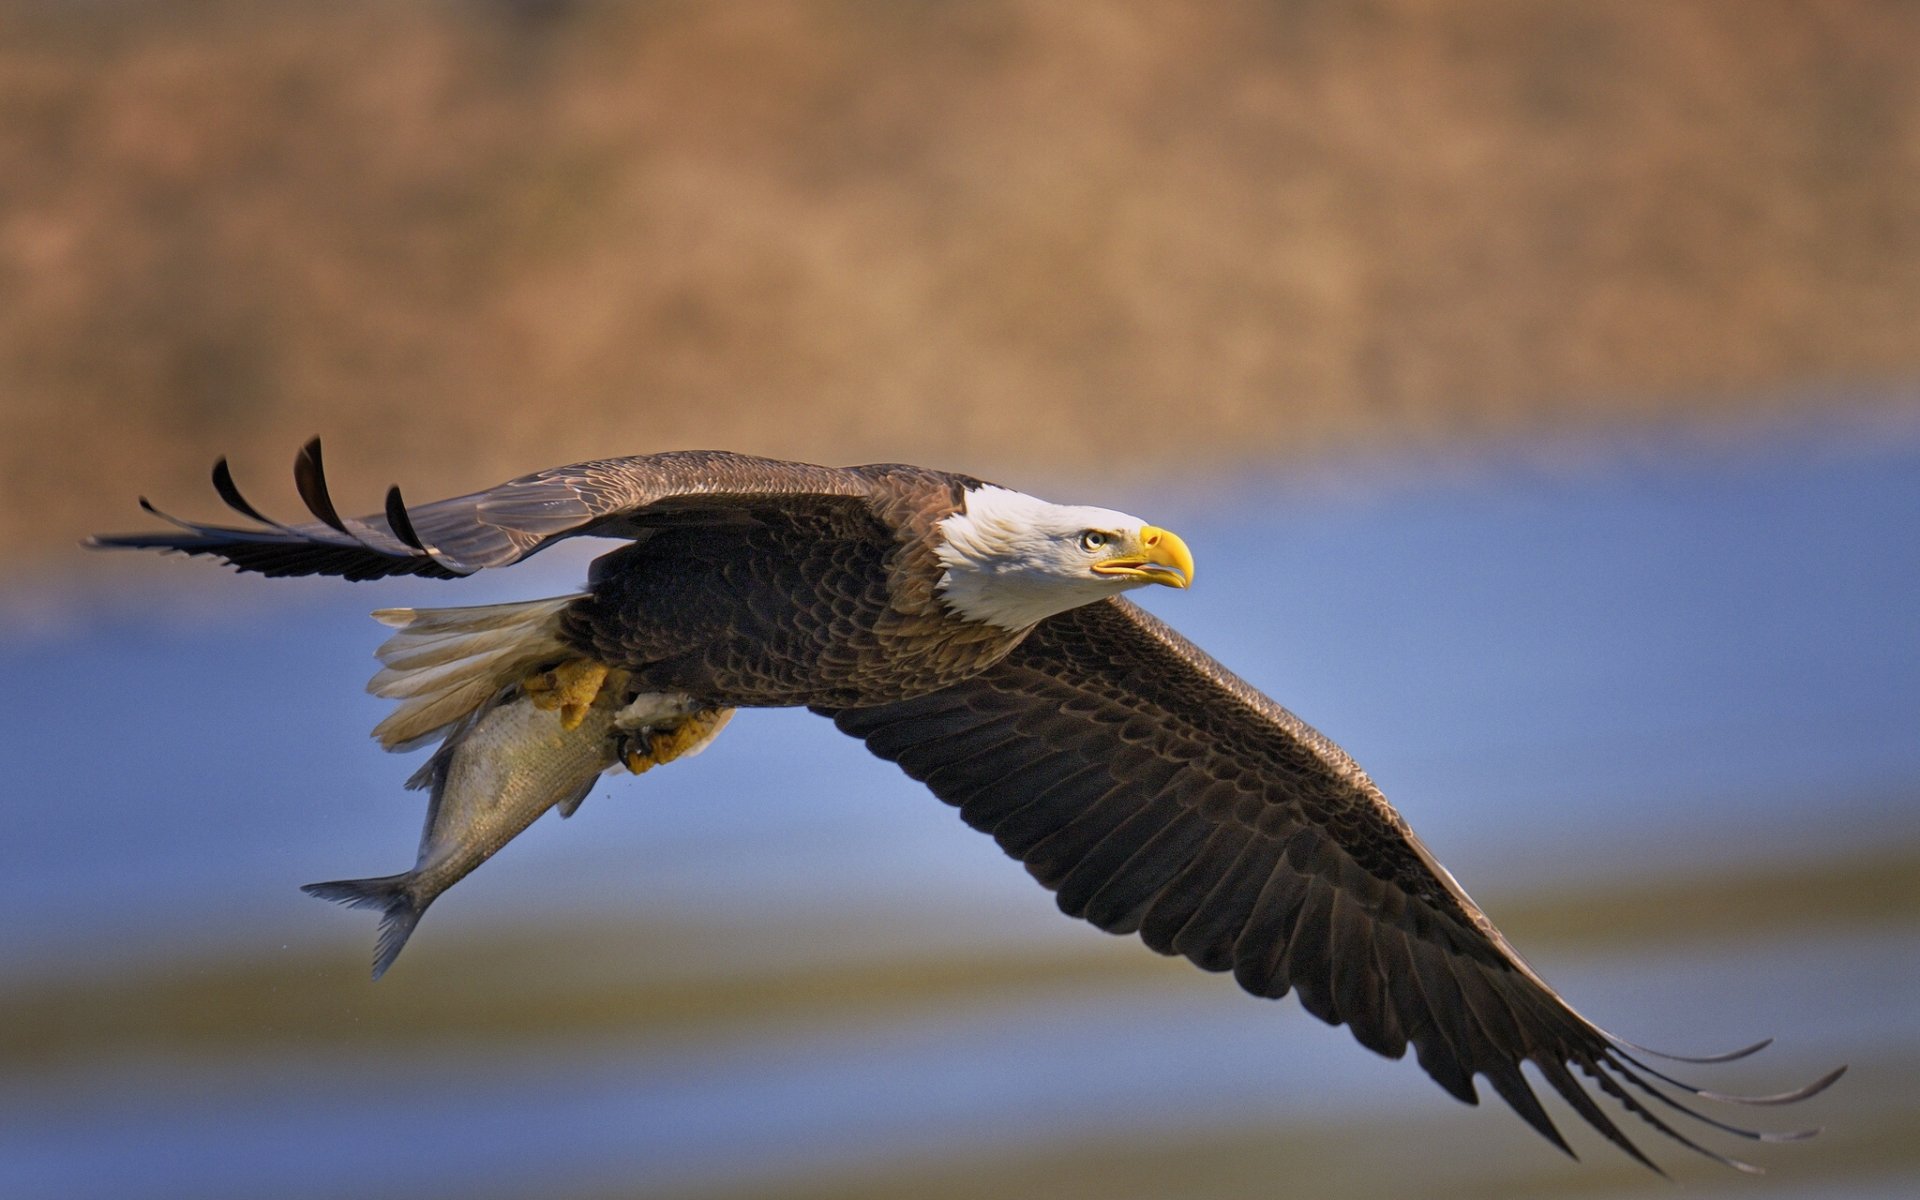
[979, 637]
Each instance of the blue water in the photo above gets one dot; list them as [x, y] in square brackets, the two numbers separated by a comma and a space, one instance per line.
[1645, 659]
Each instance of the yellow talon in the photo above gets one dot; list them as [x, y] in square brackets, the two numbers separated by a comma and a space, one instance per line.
[655, 747]
[570, 687]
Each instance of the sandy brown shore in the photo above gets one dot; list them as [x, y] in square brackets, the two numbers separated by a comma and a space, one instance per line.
[463, 240]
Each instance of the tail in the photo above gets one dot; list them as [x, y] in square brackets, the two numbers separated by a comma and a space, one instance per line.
[444, 663]
[399, 912]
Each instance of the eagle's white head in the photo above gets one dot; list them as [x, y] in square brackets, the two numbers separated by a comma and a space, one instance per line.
[1012, 560]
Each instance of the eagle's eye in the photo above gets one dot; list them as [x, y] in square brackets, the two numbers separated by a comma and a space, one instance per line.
[1093, 539]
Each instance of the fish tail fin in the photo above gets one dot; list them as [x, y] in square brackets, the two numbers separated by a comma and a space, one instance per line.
[399, 911]
[443, 663]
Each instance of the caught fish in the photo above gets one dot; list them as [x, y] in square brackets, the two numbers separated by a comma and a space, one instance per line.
[498, 770]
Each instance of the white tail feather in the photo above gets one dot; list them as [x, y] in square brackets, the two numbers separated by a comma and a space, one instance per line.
[413, 652]
[442, 663]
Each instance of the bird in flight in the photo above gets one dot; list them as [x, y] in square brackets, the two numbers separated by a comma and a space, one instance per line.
[978, 637]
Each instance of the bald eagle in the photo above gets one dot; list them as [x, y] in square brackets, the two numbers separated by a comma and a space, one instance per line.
[977, 636]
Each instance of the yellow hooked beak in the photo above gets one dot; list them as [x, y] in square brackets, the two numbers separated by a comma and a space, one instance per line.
[1162, 558]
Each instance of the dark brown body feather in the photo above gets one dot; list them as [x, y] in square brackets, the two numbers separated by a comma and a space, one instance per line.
[1147, 786]
[825, 601]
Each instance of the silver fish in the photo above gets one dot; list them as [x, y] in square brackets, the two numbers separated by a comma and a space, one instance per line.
[500, 768]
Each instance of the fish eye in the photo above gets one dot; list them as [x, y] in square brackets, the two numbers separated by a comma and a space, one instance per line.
[1093, 539]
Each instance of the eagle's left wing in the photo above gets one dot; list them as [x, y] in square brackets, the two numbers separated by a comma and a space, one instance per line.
[1159, 794]
[493, 528]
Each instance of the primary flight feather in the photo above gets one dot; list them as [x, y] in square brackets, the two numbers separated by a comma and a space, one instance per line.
[977, 637]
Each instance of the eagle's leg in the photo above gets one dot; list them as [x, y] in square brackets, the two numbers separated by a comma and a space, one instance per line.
[571, 687]
[658, 729]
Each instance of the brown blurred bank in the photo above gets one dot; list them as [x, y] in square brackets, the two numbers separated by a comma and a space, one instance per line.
[466, 238]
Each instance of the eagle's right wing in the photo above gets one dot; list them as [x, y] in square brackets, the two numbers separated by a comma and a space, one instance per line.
[493, 528]
[1157, 793]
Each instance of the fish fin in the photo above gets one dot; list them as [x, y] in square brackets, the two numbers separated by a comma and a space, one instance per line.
[433, 770]
[571, 804]
[441, 664]
[399, 912]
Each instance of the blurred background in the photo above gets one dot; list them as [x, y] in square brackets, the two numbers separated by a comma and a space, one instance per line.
[1538, 386]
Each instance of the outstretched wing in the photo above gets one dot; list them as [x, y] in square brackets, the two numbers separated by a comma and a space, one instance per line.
[1158, 794]
[502, 525]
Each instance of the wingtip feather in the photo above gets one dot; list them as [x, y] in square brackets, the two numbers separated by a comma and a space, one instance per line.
[1701, 1059]
[401, 523]
[310, 480]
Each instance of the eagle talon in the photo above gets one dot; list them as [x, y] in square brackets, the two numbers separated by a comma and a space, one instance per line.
[636, 753]
[571, 687]
[651, 746]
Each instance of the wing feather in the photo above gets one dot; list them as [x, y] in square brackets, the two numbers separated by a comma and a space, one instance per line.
[1159, 794]
[1080, 839]
[1208, 937]
[494, 528]
[1118, 899]
[1269, 931]
[1130, 827]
